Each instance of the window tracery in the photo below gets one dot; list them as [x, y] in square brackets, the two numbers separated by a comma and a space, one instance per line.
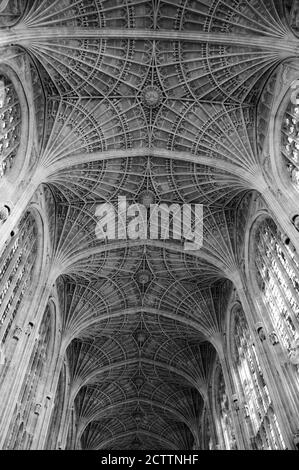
[277, 271]
[261, 420]
[290, 142]
[10, 124]
[17, 264]
[28, 408]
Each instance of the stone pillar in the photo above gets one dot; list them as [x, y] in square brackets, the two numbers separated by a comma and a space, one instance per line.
[241, 437]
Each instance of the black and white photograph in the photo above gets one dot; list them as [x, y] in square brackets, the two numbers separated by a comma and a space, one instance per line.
[149, 230]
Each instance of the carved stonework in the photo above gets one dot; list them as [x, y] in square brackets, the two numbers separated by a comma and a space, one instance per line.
[29, 329]
[151, 96]
[17, 333]
[294, 352]
[37, 409]
[273, 338]
[161, 102]
[261, 331]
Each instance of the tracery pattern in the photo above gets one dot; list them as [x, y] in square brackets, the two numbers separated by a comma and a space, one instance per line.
[237, 16]
[17, 265]
[290, 142]
[10, 11]
[162, 120]
[10, 124]
[277, 269]
[263, 427]
[29, 407]
[148, 396]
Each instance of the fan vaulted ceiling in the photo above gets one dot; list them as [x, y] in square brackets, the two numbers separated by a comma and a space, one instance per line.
[147, 99]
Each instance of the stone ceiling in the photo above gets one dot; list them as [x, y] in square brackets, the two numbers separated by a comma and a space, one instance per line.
[147, 98]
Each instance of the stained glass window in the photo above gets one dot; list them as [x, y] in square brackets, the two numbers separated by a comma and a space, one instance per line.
[10, 124]
[253, 392]
[290, 142]
[16, 268]
[277, 267]
[26, 414]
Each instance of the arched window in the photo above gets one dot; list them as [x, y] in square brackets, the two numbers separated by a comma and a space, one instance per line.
[277, 274]
[16, 269]
[10, 124]
[253, 393]
[224, 423]
[28, 408]
[290, 142]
